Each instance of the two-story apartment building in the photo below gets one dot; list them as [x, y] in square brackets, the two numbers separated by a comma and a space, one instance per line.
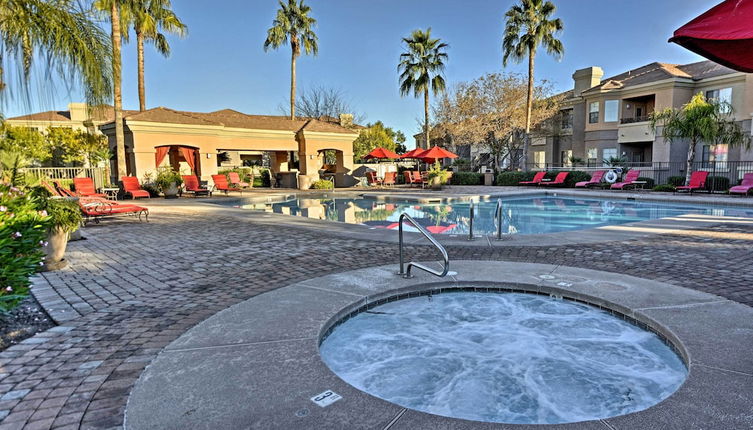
[603, 118]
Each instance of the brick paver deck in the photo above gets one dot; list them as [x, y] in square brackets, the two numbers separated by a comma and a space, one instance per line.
[133, 288]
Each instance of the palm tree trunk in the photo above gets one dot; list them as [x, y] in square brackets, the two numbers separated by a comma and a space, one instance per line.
[691, 159]
[529, 110]
[117, 90]
[140, 55]
[426, 118]
[292, 85]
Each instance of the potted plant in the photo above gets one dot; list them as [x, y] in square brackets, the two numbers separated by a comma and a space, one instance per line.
[168, 181]
[437, 177]
[65, 218]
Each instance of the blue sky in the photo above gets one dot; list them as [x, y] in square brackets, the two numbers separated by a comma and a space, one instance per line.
[222, 64]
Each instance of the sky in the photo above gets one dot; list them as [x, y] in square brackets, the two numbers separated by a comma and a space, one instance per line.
[222, 63]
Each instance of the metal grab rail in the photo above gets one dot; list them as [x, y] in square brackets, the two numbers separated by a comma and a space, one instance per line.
[471, 215]
[498, 218]
[433, 241]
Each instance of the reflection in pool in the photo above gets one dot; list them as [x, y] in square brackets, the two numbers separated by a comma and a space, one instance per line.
[526, 215]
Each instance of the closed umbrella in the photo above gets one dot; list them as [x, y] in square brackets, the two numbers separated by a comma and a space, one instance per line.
[723, 34]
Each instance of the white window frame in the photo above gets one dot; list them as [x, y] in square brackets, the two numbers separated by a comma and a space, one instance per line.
[593, 108]
[611, 151]
[608, 117]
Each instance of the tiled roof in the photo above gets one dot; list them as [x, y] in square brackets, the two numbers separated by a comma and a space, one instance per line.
[44, 116]
[660, 71]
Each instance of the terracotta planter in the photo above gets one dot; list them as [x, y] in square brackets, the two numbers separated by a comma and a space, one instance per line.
[435, 183]
[57, 241]
[171, 192]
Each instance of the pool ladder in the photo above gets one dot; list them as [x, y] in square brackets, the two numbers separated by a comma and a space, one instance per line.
[446, 260]
[497, 218]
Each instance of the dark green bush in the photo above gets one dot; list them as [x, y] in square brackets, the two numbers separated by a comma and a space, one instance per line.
[265, 179]
[574, 177]
[666, 188]
[677, 181]
[322, 184]
[649, 182]
[512, 178]
[717, 183]
[466, 178]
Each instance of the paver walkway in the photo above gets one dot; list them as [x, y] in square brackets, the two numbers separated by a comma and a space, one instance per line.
[137, 287]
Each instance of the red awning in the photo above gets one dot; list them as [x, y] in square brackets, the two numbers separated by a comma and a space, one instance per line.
[381, 153]
[723, 34]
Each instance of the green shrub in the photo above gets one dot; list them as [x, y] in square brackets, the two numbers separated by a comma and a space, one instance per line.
[166, 177]
[439, 173]
[513, 178]
[467, 178]
[263, 179]
[64, 214]
[649, 182]
[322, 184]
[23, 230]
[677, 181]
[245, 173]
[717, 183]
[665, 188]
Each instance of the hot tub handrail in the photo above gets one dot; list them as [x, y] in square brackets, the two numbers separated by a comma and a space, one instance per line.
[445, 258]
[498, 218]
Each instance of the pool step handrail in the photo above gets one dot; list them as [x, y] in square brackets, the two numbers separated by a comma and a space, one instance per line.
[471, 215]
[446, 259]
[498, 218]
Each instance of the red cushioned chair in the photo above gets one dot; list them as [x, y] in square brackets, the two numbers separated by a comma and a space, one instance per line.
[220, 183]
[697, 182]
[630, 177]
[85, 188]
[390, 178]
[235, 179]
[131, 186]
[745, 187]
[191, 185]
[95, 209]
[537, 178]
[595, 180]
[559, 181]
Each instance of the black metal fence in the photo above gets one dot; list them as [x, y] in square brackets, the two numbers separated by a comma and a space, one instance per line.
[721, 173]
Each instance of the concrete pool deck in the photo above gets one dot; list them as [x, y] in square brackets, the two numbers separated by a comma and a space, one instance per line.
[257, 365]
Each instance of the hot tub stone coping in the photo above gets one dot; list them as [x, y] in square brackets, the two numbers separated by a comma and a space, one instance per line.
[257, 363]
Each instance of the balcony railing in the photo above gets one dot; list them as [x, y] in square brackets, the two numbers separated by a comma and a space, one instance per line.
[634, 119]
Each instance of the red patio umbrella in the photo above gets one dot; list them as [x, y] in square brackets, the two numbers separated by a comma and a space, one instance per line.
[723, 34]
[436, 153]
[381, 153]
[413, 153]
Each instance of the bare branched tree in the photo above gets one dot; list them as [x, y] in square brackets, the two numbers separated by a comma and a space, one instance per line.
[320, 101]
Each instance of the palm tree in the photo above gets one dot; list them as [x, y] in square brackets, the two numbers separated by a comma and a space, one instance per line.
[700, 120]
[293, 25]
[149, 18]
[119, 17]
[528, 26]
[67, 39]
[421, 68]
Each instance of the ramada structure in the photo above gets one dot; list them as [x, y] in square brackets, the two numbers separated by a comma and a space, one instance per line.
[193, 141]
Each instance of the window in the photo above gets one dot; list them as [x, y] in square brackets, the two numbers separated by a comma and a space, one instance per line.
[593, 113]
[592, 154]
[723, 95]
[610, 110]
[567, 119]
[539, 158]
[714, 156]
[608, 153]
[565, 157]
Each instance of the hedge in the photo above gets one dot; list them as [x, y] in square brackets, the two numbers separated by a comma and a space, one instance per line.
[664, 188]
[514, 178]
[717, 183]
[677, 181]
[467, 178]
[649, 182]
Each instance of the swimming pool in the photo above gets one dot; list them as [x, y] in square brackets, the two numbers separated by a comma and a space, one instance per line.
[521, 215]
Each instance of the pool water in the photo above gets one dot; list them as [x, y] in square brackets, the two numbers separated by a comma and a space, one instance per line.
[503, 357]
[525, 215]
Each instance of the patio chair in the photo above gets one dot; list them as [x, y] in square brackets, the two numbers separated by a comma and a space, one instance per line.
[94, 209]
[221, 184]
[420, 178]
[235, 179]
[595, 180]
[132, 186]
[628, 181]
[559, 181]
[390, 178]
[63, 191]
[51, 189]
[537, 178]
[697, 182]
[372, 179]
[745, 186]
[85, 188]
[191, 185]
[408, 177]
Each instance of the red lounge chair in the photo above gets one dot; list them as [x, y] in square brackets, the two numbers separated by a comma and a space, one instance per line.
[537, 178]
[390, 178]
[85, 188]
[373, 179]
[697, 182]
[628, 181]
[745, 186]
[419, 178]
[131, 186]
[95, 209]
[235, 179]
[559, 181]
[51, 189]
[595, 180]
[63, 191]
[220, 183]
[191, 185]
[408, 177]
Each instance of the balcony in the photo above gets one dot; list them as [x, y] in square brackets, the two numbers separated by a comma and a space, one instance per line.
[634, 130]
[644, 118]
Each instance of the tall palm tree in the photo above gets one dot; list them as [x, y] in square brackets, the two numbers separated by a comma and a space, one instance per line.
[700, 120]
[65, 37]
[421, 68]
[149, 18]
[119, 17]
[528, 26]
[293, 25]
